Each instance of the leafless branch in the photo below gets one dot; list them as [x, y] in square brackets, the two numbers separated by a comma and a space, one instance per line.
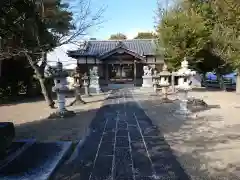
[83, 20]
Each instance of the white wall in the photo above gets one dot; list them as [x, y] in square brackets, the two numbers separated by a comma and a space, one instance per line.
[98, 61]
[152, 60]
[82, 60]
[90, 60]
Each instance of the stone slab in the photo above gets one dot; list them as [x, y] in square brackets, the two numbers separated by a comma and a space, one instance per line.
[7, 133]
[15, 149]
[36, 162]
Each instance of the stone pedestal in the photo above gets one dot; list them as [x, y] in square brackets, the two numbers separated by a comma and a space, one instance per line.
[164, 90]
[94, 86]
[147, 82]
[183, 108]
[155, 83]
[61, 101]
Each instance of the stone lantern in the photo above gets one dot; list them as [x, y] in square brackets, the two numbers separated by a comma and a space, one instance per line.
[77, 86]
[184, 86]
[164, 82]
[85, 79]
[61, 88]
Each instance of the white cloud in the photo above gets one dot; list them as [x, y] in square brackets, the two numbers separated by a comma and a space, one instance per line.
[134, 32]
[60, 54]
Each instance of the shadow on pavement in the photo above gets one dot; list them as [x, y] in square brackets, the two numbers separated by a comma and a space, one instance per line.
[164, 161]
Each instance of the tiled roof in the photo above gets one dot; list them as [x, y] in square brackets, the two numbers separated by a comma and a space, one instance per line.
[97, 48]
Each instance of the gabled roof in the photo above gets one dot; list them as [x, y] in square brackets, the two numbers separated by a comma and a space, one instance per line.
[120, 50]
[142, 47]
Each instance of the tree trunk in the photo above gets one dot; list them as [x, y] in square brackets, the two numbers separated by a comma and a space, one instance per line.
[221, 82]
[238, 82]
[45, 92]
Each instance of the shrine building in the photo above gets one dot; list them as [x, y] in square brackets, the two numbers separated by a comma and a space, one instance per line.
[119, 62]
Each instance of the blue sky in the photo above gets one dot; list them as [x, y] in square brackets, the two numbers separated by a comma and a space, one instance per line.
[125, 16]
[120, 16]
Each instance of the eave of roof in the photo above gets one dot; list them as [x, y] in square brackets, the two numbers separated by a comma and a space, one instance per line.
[98, 48]
[124, 50]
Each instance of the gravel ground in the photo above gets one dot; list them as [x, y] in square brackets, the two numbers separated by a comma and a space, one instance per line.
[207, 143]
[30, 119]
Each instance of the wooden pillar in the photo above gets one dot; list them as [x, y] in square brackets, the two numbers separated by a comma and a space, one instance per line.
[1, 67]
[106, 73]
[173, 82]
[135, 72]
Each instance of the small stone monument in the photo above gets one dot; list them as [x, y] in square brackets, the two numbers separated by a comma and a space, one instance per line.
[184, 86]
[94, 86]
[61, 88]
[147, 77]
[164, 83]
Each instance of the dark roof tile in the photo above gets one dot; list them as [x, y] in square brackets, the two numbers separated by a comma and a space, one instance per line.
[96, 48]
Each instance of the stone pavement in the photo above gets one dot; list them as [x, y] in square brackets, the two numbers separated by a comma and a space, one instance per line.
[123, 144]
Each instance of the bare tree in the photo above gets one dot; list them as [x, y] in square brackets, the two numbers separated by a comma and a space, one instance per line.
[83, 18]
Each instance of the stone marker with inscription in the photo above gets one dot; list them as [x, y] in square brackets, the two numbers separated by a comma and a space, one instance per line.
[33, 160]
[28, 159]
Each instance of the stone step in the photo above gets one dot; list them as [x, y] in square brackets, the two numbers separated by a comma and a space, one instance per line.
[37, 161]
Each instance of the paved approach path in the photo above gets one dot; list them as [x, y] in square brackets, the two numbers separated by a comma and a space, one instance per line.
[124, 145]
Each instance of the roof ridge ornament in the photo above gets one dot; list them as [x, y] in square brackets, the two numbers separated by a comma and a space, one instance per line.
[120, 44]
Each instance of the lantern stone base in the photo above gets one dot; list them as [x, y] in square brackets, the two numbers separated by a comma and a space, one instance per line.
[61, 114]
[147, 82]
[77, 102]
[183, 110]
[94, 86]
[197, 104]
[166, 100]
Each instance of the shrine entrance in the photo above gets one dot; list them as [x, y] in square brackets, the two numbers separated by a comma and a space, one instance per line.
[121, 73]
[122, 66]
